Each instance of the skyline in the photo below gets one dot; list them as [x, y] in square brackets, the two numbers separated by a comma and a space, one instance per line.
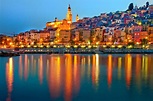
[19, 16]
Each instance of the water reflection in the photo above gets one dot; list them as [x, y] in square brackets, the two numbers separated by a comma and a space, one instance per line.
[40, 64]
[95, 70]
[67, 75]
[109, 70]
[20, 67]
[54, 78]
[128, 66]
[119, 67]
[9, 77]
[76, 74]
[26, 67]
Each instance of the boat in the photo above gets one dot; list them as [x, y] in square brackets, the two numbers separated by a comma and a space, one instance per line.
[8, 54]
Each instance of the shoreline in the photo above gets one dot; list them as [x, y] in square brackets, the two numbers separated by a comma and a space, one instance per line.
[80, 51]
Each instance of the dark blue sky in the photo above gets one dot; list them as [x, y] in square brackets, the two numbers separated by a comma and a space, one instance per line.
[21, 15]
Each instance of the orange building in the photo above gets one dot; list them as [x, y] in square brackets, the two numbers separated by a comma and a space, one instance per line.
[136, 32]
[144, 35]
[150, 32]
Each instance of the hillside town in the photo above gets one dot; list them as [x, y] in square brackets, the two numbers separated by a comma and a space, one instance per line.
[131, 27]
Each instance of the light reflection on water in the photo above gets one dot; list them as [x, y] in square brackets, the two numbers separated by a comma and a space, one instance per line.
[9, 77]
[70, 77]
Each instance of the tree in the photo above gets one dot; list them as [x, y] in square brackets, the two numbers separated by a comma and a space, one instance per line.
[131, 43]
[147, 4]
[144, 41]
[130, 6]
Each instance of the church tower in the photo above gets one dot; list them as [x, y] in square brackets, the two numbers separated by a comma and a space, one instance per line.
[69, 14]
[77, 18]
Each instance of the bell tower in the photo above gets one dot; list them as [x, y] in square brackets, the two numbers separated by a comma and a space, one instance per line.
[69, 14]
[77, 18]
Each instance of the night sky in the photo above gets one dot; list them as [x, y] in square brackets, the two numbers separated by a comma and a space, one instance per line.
[21, 15]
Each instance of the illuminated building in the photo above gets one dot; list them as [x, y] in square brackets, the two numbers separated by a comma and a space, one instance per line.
[64, 35]
[76, 35]
[143, 35]
[69, 15]
[150, 32]
[86, 35]
[99, 33]
[136, 32]
[64, 24]
[44, 35]
[61, 24]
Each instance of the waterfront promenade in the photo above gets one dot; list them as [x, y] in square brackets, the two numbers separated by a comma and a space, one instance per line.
[85, 50]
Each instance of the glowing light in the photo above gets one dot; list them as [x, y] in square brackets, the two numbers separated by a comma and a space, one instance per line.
[137, 43]
[22, 46]
[52, 43]
[109, 70]
[89, 46]
[75, 46]
[97, 43]
[54, 46]
[41, 46]
[113, 46]
[28, 46]
[40, 69]
[119, 46]
[54, 76]
[35, 46]
[21, 67]
[83, 46]
[104, 46]
[68, 46]
[128, 61]
[47, 46]
[68, 80]
[139, 23]
[9, 78]
[119, 67]
[130, 46]
[97, 69]
[11, 43]
[143, 46]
